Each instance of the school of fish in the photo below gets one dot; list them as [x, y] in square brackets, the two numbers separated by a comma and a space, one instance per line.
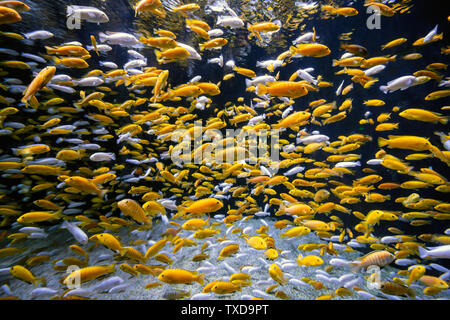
[89, 191]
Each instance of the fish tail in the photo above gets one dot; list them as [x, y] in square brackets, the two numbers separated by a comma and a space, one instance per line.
[41, 280]
[50, 50]
[261, 90]
[382, 142]
[423, 253]
[123, 251]
[384, 89]
[200, 278]
[293, 50]
[102, 194]
[102, 37]
[335, 62]
[443, 120]
[355, 266]
[393, 58]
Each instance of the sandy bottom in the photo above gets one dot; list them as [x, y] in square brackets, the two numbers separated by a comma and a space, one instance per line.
[59, 240]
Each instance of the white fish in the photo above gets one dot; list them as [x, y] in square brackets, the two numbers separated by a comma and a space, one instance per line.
[365, 295]
[316, 138]
[438, 267]
[39, 35]
[193, 53]
[267, 63]
[289, 148]
[265, 171]
[447, 231]
[401, 83]
[196, 79]
[230, 64]
[441, 252]
[374, 70]
[229, 21]
[61, 78]
[9, 52]
[306, 76]
[430, 35]
[102, 48]
[103, 156]
[287, 112]
[444, 83]
[89, 82]
[89, 14]
[14, 125]
[351, 283]
[37, 235]
[201, 296]
[347, 55]
[43, 293]
[119, 288]
[304, 38]
[119, 38]
[405, 262]
[297, 282]
[135, 64]
[261, 294]
[337, 262]
[89, 146]
[256, 119]
[259, 80]
[33, 57]
[355, 244]
[79, 292]
[77, 233]
[348, 164]
[306, 5]
[339, 90]
[107, 284]
[136, 55]
[374, 162]
[294, 170]
[390, 239]
[218, 61]
[215, 33]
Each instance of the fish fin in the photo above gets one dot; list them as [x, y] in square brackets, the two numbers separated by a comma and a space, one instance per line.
[443, 120]
[261, 89]
[200, 278]
[50, 50]
[102, 37]
[355, 266]
[423, 253]
[382, 142]
[384, 89]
